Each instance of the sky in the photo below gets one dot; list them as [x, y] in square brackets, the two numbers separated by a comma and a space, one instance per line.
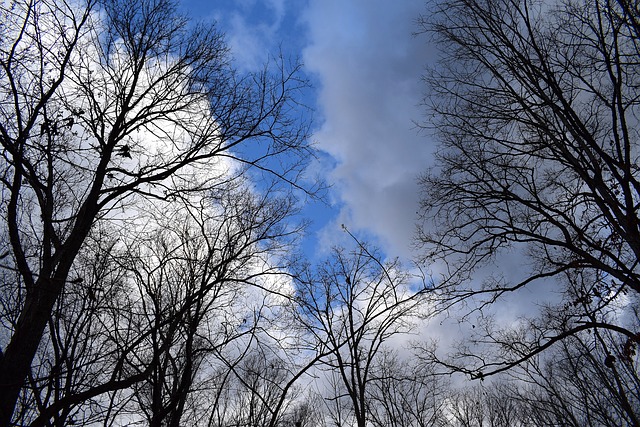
[365, 65]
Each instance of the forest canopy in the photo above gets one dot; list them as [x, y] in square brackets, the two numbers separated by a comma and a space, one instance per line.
[151, 271]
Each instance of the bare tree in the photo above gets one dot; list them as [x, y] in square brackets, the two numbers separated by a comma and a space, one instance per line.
[148, 316]
[536, 107]
[201, 281]
[405, 393]
[75, 353]
[353, 304]
[256, 392]
[104, 104]
[588, 380]
[493, 405]
[468, 408]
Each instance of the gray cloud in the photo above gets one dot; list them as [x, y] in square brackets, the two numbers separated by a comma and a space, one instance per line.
[368, 66]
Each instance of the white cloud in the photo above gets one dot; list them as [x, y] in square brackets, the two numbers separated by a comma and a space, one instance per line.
[369, 66]
[252, 31]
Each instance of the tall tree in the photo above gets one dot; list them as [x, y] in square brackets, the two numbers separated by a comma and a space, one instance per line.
[536, 107]
[353, 304]
[404, 393]
[203, 278]
[568, 386]
[588, 380]
[104, 104]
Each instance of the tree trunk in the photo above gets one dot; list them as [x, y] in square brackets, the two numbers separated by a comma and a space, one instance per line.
[16, 361]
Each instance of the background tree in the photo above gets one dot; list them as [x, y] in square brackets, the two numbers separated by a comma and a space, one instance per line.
[535, 104]
[259, 388]
[492, 405]
[587, 381]
[105, 104]
[204, 277]
[77, 352]
[353, 305]
[405, 393]
[194, 286]
[569, 385]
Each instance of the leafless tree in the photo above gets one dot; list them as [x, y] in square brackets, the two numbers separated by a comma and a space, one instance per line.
[353, 304]
[468, 408]
[588, 380]
[536, 107]
[105, 104]
[203, 282]
[255, 392]
[491, 405]
[76, 353]
[406, 394]
[148, 325]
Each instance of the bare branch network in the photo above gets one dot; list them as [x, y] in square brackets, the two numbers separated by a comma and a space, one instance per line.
[149, 272]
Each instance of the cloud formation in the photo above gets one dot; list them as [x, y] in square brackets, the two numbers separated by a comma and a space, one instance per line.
[369, 65]
[254, 29]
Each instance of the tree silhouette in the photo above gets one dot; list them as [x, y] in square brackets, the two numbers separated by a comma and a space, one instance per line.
[106, 105]
[535, 105]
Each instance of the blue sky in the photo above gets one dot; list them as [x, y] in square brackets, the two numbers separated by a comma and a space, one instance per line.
[365, 65]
